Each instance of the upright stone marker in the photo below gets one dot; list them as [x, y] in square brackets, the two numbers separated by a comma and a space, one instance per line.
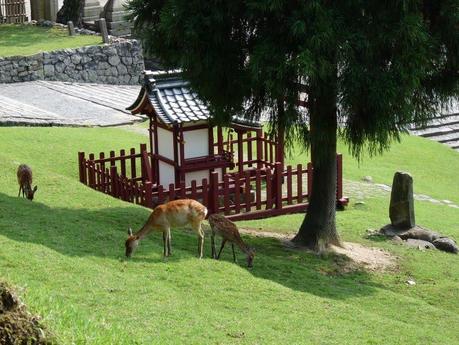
[103, 30]
[401, 209]
[71, 28]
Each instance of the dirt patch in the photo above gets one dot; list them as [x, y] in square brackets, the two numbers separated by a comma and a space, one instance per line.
[357, 255]
[17, 325]
[373, 259]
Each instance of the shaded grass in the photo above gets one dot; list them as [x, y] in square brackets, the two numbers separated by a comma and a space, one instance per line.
[28, 39]
[65, 253]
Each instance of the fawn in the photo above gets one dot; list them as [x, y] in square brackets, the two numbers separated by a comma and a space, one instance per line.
[229, 232]
[24, 174]
[175, 213]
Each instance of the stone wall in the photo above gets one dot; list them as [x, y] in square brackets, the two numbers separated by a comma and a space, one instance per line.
[116, 63]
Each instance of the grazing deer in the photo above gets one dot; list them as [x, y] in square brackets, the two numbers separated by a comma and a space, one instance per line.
[175, 213]
[229, 232]
[24, 174]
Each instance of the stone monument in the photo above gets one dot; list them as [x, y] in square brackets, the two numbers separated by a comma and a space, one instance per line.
[401, 210]
[91, 11]
[114, 13]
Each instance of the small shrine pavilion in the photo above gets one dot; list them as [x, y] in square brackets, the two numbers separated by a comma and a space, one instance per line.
[183, 144]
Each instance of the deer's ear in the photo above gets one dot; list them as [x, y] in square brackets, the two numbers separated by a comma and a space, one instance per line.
[35, 188]
[130, 232]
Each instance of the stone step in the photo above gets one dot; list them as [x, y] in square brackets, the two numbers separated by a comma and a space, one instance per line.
[441, 121]
[436, 131]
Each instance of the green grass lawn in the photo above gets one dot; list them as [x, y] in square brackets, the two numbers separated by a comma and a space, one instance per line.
[28, 39]
[64, 253]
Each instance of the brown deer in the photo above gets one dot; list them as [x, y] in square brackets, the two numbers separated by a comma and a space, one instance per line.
[24, 174]
[229, 233]
[175, 213]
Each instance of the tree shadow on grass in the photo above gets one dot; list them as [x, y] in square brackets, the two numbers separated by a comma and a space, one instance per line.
[102, 232]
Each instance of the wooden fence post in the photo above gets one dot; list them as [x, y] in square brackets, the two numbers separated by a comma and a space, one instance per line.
[148, 194]
[213, 193]
[278, 184]
[143, 169]
[82, 168]
[114, 181]
[339, 177]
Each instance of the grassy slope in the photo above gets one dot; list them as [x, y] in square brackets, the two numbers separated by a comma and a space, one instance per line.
[28, 40]
[65, 251]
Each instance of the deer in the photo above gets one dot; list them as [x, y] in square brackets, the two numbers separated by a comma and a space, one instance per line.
[24, 174]
[176, 213]
[229, 233]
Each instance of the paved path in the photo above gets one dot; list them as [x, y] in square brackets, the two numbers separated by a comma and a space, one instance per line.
[45, 103]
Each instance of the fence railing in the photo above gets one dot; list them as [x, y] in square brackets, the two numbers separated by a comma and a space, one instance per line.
[12, 11]
[252, 194]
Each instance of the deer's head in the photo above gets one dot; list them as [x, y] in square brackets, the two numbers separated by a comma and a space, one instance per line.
[250, 257]
[131, 243]
[31, 192]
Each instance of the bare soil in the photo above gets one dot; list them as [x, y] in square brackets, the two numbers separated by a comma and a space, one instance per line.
[357, 255]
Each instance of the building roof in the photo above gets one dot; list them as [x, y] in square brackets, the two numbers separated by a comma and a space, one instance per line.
[173, 100]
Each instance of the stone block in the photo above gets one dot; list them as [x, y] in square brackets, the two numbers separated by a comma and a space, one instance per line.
[48, 70]
[114, 60]
[76, 59]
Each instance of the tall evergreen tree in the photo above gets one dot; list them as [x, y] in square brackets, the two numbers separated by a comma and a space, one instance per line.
[372, 66]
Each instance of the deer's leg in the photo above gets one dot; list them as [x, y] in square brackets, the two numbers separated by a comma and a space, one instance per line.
[164, 243]
[169, 250]
[19, 194]
[198, 229]
[234, 254]
[221, 248]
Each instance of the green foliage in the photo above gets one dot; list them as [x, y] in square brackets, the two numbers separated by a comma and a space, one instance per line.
[64, 253]
[28, 40]
[388, 63]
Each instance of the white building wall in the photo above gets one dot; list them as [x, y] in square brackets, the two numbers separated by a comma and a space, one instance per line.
[166, 174]
[165, 143]
[166, 149]
[196, 143]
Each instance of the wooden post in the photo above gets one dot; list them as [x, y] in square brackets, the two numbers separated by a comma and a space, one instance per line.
[299, 182]
[103, 30]
[249, 148]
[240, 152]
[152, 158]
[280, 147]
[148, 194]
[219, 140]
[133, 168]
[91, 171]
[339, 177]
[247, 195]
[259, 149]
[114, 180]
[143, 170]
[82, 168]
[213, 193]
[278, 184]
[71, 28]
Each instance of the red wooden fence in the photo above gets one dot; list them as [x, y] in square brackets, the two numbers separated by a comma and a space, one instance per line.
[255, 193]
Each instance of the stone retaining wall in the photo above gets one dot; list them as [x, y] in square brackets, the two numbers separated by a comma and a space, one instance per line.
[116, 63]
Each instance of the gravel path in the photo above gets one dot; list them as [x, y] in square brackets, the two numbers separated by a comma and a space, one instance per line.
[44, 103]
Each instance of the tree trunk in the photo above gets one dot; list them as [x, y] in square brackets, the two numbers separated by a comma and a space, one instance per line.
[318, 229]
[71, 10]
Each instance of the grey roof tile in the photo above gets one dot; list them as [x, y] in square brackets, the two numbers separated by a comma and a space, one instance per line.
[172, 98]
